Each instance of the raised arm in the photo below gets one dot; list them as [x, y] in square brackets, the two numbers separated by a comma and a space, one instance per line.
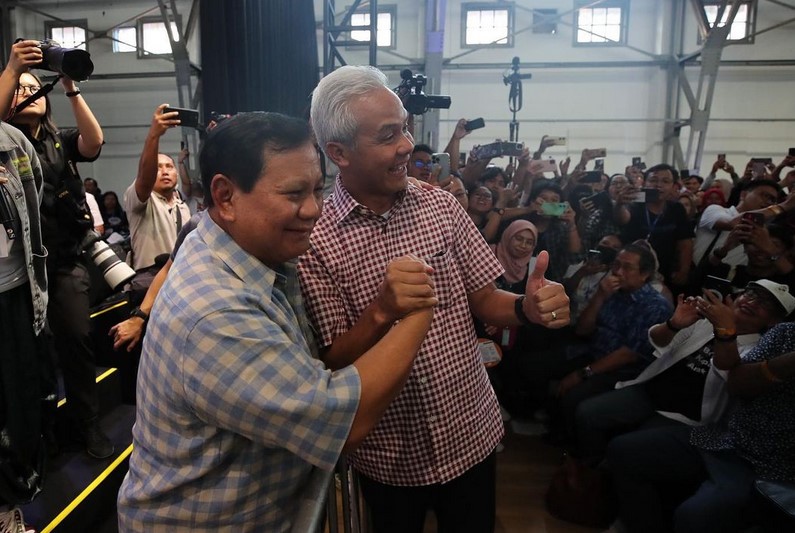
[147, 164]
[24, 55]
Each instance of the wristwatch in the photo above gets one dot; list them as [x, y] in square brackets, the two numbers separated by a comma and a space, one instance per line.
[499, 210]
[586, 372]
[140, 314]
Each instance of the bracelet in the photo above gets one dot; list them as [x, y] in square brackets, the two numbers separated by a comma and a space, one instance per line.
[519, 310]
[670, 326]
[72, 94]
[726, 338]
[776, 209]
[768, 374]
[724, 332]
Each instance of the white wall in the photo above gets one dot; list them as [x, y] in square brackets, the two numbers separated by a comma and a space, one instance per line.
[123, 107]
[620, 108]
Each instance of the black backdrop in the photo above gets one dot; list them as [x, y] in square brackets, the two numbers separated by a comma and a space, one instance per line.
[258, 55]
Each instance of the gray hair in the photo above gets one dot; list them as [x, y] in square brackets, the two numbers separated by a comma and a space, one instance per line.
[331, 116]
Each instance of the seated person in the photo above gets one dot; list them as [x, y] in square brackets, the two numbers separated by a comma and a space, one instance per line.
[713, 467]
[766, 248]
[616, 320]
[114, 216]
[582, 279]
[682, 385]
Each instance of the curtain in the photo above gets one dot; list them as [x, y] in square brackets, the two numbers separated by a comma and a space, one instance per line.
[258, 55]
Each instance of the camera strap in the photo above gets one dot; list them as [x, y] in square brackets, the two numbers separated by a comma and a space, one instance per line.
[44, 90]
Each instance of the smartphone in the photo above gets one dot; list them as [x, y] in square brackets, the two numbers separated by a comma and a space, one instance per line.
[554, 209]
[549, 165]
[600, 200]
[684, 174]
[599, 164]
[638, 163]
[721, 157]
[557, 141]
[646, 195]
[490, 353]
[499, 149]
[599, 152]
[441, 160]
[720, 287]
[791, 152]
[758, 168]
[594, 256]
[592, 176]
[757, 219]
[474, 124]
[462, 159]
[188, 118]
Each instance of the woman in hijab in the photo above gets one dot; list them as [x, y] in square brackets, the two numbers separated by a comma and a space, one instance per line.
[514, 251]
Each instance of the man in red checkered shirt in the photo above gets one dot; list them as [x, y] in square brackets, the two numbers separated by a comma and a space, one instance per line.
[434, 447]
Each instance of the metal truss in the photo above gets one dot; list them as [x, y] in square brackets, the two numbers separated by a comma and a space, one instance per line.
[333, 33]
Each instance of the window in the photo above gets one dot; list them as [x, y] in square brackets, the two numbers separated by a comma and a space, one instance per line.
[604, 24]
[545, 21]
[69, 33]
[487, 25]
[153, 37]
[742, 27]
[124, 39]
[385, 26]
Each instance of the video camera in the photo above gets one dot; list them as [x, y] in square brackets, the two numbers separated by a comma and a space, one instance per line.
[414, 99]
[71, 62]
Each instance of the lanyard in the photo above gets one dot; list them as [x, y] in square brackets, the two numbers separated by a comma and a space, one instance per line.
[656, 220]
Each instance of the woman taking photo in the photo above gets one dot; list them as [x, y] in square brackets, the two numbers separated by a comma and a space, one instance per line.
[65, 222]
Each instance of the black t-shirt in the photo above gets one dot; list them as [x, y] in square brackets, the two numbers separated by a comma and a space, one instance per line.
[60, 231]
[680, 388]
[663, 231]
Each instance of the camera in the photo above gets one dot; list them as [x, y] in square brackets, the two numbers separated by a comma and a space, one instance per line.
[115, 271]
[414, 99]
[71, 62]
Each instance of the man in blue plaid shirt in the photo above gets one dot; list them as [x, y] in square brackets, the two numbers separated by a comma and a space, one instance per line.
[233, 410]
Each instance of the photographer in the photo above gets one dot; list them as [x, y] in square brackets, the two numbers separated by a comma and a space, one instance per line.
[65, 222]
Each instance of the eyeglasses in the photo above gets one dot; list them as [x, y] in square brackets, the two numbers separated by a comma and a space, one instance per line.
[626, 267]
[762, 298]
[30, 89]
[423, 164]
[482, 195]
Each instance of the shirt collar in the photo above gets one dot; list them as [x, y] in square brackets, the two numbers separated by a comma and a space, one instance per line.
[245, 266]
[344, 205]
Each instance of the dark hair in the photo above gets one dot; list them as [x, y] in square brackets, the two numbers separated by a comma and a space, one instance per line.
[46, 120]
[660, 168]
[237, 147]
[422, 148]
[648, 260]
[753, 184]
[544, 185]
[491, 173]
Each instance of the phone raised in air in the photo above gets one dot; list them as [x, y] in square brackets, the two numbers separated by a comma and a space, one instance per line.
[554, 209]
[757, 219]
[441, 161]
[720, 287]
[474, 124]
[188, 118]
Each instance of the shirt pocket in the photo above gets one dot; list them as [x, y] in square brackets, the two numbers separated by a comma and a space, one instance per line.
[445, 278]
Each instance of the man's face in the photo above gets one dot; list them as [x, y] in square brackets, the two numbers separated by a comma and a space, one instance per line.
[495, 184]
[420, 166]
[663, 181]
[274, 220]
[627, 268]
[90, 185]
[166, 175]
[692, 185]
[458, 190]
[759, 198]
[376, 167]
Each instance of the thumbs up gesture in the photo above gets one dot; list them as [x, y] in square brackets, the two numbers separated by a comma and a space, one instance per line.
[545, 301]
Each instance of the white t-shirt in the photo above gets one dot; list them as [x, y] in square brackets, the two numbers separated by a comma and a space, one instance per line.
[705, 234]
[96, 214]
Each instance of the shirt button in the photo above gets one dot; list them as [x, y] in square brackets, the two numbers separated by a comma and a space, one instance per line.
[423, 380]
[431, 419]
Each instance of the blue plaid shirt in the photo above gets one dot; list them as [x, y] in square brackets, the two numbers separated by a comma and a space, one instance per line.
[233, 411]
[625, 319]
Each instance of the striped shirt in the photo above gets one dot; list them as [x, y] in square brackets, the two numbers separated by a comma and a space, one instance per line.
[446, 419]
[233, 411]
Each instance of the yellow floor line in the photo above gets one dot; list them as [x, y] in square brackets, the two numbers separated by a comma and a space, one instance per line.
[100, 377]
[111, 308]
[88, 490]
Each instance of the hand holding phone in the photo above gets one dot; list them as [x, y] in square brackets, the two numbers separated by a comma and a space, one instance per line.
[188, 118]
[474, 124]
[554, 209]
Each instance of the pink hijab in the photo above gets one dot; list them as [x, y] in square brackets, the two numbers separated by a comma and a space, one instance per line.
[515, 268]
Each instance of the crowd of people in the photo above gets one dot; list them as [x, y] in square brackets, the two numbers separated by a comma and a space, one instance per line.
[279, 329]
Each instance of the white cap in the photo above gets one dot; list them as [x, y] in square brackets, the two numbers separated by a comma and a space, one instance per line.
[780, 292]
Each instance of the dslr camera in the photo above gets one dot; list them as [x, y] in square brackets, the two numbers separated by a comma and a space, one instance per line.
[71, 62]
[414, 99]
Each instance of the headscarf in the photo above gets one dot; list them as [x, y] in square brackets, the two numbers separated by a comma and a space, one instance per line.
[515, 268]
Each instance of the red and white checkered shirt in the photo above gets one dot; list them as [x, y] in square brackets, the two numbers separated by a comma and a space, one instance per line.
[446, 419]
